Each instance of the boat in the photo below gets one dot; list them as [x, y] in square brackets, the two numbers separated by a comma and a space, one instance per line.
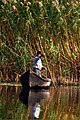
[31, 80]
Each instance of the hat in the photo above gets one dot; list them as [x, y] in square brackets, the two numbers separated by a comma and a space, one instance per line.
[38, 52]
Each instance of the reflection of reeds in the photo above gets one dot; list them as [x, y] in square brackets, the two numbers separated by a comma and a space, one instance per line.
[63, 105]
[10, 108]
[28, 112]
[48, 105]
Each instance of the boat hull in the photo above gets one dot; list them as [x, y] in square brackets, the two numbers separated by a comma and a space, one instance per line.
[30, 79]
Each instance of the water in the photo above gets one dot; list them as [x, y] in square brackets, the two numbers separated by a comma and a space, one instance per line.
[52, 104]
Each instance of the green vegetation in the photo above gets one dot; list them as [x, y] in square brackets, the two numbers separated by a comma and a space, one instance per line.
[50, 26]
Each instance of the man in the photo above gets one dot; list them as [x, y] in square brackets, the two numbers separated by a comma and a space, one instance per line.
[38, 64]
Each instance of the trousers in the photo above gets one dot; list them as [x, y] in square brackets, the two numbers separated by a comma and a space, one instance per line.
[37, 71]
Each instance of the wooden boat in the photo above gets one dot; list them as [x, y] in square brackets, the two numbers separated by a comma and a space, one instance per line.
[30, 79]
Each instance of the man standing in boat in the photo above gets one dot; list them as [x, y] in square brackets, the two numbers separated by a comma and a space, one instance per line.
[38, 64]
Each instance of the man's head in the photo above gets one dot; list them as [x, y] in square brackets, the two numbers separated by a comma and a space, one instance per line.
[38, 53]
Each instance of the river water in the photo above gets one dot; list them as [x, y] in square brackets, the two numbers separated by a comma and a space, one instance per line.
[17, 103]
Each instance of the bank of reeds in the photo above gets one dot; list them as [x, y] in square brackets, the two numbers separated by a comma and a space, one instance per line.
[50, 26]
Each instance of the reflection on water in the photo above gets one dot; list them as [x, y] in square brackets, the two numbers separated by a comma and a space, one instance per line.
[52, 104]
[36, 111]
[33, 97]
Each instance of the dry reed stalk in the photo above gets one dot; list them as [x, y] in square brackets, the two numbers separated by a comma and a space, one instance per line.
[31, 51]
[47, 63]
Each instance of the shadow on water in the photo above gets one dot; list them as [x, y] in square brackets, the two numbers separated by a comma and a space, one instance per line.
[24, 96]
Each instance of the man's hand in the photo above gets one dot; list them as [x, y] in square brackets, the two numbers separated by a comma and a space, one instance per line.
[44, 68]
